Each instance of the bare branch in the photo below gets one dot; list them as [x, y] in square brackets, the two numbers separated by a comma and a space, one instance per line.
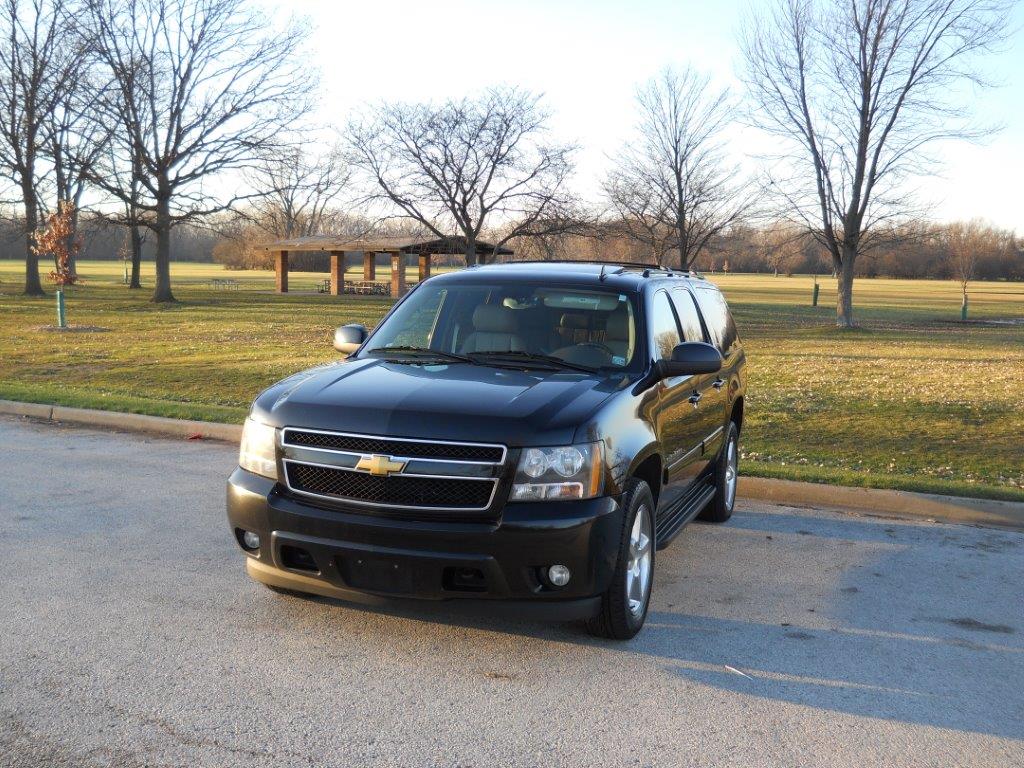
[467, 165]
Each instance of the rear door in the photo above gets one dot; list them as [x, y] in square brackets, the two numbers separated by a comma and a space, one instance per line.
[722, 334]
[706, 388]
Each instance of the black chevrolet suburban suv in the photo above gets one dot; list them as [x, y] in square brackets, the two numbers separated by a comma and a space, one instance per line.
[529, 433]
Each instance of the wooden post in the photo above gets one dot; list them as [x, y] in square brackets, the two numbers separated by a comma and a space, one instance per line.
[369, 265]
[397, 275]
[424, 266]
[337, 273]
[281, 271]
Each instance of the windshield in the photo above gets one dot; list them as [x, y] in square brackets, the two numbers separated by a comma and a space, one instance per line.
[513, 321]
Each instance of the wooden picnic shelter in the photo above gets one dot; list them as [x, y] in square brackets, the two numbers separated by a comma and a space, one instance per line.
[399, 248]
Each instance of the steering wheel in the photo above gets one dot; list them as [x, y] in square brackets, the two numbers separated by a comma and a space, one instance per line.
[597, 345]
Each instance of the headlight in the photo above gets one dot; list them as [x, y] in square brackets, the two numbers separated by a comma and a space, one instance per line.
[565, 472]
[258, 452]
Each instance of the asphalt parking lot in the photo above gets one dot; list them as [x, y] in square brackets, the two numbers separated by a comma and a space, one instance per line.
[130, 636]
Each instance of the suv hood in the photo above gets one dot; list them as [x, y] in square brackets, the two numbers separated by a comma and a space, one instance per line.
[450, 401]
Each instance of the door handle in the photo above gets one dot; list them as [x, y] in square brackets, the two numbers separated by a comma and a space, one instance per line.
[695, 398]
[718, 383]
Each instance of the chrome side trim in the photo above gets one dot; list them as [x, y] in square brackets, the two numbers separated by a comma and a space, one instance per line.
[360, 502]
[695, 450]
[714, 435]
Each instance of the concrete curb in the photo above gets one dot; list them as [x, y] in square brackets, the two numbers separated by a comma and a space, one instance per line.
[897, 504]
[133, 422]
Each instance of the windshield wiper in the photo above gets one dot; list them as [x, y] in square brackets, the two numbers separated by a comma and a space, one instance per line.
[531, 357]
[421, 351]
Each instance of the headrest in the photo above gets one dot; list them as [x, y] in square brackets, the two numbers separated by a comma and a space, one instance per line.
[617, 326]
[575, 321]
[493, 318]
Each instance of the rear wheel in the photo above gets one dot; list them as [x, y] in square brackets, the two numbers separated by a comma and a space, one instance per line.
[726, 477]
[624, 605]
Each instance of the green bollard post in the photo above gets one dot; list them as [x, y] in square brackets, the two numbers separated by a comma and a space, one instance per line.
[61, 321]
[814, 298]
[963, 308]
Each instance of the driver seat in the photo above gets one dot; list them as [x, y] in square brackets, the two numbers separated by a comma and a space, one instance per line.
[617, 334]
[495, 329]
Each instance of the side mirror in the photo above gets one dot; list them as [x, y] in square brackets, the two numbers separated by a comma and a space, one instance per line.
[348, 338]
[689, 358]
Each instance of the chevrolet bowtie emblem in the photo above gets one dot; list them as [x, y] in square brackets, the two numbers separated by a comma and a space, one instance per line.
[379, 465]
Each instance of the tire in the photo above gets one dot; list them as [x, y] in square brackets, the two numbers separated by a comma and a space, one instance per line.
[621, 617]
[719, 509]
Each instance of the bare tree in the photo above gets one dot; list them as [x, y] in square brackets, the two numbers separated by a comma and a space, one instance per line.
[551, 237]
[856, 90]
[38, 51]
[119, 171]
[966, 243]
[76, 139]
[201, 87]
[465, 165]
[671, 180]
[640, 212]
[298, 187]
[779, 245]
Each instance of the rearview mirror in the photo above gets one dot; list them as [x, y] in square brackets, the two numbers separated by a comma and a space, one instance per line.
[348, 338]
[689, 358]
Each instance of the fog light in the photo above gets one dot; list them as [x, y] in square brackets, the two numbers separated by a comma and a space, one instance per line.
[250, 540]
[559, 575]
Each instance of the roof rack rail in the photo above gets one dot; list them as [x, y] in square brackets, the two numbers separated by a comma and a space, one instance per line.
[634, 264]
[622, 266]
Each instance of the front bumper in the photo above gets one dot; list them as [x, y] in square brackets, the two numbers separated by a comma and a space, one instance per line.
[369, 559]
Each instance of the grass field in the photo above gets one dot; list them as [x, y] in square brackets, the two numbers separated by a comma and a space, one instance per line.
[912, 400]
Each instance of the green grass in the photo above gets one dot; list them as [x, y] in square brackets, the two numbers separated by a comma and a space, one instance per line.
[912, 400]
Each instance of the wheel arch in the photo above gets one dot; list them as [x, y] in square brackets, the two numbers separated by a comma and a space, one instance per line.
[737, 413]
[649, 467]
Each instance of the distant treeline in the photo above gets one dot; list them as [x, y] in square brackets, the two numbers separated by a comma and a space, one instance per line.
[108, 242]
[912, 251]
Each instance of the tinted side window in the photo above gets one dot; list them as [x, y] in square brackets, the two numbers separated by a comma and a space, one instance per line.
[718, 319]
[664, 331]
[688, 317]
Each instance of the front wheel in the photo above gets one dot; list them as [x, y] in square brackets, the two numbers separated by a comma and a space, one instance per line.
[624, 605]
[719, 509]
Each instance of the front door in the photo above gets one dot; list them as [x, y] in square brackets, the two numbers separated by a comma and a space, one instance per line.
[679, 431]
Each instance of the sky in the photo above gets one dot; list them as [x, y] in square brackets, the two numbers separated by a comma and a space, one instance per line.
[587, 58]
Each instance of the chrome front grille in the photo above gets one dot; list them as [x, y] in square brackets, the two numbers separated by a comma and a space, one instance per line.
[363, 444]
[435, 476]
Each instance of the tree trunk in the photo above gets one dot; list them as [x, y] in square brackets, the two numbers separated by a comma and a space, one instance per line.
[162, 292]
[844, 300]
[33, 286]
[69, 242]
[136, 237]
[471, 254]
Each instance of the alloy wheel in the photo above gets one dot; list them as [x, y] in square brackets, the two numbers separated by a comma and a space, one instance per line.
[638, 573]
[731, 474]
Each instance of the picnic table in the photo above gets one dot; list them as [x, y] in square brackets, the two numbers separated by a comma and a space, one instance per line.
[224, 284]
[368, 287]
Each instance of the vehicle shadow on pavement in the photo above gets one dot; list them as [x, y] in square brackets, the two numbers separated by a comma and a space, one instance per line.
[920, 679]
[864, 616]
